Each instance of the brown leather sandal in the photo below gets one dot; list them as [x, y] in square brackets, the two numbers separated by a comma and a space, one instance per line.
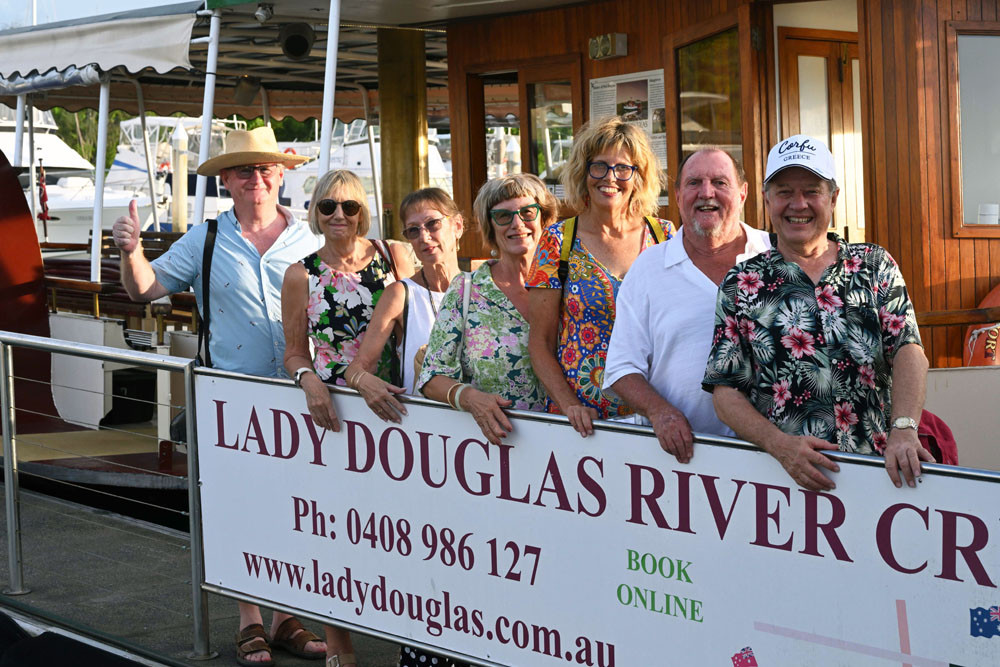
[252, 639]
[285, 637]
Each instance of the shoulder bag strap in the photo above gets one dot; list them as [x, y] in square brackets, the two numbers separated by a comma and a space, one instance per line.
[656, 228]
[206, 292]
[382, 248]
[466, 297]
[569, 230]
[406, 315]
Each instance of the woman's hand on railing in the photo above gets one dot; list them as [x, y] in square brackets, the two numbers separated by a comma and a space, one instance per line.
[380, 396]
[319, 402]
[487, 410]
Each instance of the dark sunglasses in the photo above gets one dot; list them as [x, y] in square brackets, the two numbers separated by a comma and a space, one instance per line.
[412, 233]
[503, 217]
[246, 171]
[329, 206]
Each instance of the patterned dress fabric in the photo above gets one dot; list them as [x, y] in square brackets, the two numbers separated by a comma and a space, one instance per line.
[815, 359]
[490, 351]
[588, 315]
[340, 307]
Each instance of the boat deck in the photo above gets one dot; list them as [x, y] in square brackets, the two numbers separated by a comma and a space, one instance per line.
[107, 575]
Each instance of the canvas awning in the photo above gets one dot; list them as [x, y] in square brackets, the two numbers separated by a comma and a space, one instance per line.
[156, 38]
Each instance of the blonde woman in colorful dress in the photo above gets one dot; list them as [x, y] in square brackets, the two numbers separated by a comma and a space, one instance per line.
[478, 362]
[329, 297]
[613, 178]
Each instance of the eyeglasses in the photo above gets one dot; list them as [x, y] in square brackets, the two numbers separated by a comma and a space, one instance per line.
[412, 233]
[329, 206]
[503, 217]
[623, 172]
[246, 171]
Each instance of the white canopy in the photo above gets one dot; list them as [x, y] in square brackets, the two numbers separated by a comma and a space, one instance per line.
[157, 38]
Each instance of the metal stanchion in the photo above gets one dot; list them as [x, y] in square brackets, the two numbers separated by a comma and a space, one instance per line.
[199, 596]
[11, 484]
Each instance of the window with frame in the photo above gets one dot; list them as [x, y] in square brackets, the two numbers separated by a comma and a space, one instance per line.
[973, 51]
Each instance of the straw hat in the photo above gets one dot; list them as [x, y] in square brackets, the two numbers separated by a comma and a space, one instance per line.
[257, 146]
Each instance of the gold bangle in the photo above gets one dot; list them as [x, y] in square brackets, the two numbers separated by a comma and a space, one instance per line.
[450, 390]
[353, 382]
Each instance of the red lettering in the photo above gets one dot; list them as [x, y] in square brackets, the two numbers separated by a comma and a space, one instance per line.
[640, 498]
[883, 536]
[460, 474]
[591, 485]
[293, 430]
[558, 488]
[352, 447]
[220, 423]
[715, 504]
[837, 516]
[950, 547]
[383, 453]
[763, 514]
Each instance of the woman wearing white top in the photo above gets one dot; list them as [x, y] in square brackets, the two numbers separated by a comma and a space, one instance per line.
[433, 225]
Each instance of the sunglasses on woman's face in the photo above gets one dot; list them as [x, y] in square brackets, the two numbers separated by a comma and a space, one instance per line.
[329, 206]
[503, 217]
[412, 233]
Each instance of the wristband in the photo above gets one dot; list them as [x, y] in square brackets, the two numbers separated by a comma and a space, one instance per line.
[458, 395]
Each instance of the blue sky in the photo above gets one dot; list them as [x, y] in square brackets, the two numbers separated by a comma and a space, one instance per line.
[17, 13]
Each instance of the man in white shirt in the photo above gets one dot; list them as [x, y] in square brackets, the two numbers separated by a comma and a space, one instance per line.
[666, 304]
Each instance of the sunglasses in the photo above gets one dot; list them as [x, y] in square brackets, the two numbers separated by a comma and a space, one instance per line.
[329, 206]
[503, 217]
[412, 233]
[246, 171]
[623, 172]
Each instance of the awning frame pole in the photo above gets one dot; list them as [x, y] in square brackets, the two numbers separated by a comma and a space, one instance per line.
[99, 161]
[207, 113]
[19, 132]
[266, 103]
[141, 104]
[329, 86]
[32, 179]
[376, 170]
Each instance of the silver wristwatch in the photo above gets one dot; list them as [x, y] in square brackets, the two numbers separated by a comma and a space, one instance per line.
[302, 371]
[904, 422]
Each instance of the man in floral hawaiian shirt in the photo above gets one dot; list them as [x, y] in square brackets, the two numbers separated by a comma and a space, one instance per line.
[816, 345]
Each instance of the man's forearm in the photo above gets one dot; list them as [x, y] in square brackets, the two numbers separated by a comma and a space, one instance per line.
[636, 391]
[736, 412]
[909, 382]
[138, 277]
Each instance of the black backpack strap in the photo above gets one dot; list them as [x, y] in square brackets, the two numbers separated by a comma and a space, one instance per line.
[206, 293]
[569, 229]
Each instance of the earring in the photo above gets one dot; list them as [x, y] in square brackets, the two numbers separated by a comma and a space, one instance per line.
[493, 253]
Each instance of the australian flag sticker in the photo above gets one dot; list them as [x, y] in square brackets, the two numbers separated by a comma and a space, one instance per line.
[984, 622]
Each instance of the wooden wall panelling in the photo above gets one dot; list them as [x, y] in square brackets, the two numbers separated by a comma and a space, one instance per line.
[484, 42]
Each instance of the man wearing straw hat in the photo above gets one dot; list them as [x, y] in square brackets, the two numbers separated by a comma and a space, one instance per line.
[256, 241]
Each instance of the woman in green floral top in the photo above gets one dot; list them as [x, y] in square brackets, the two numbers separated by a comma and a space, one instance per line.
[480, 363]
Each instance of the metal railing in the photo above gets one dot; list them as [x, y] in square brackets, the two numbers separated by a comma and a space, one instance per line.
[8, 342]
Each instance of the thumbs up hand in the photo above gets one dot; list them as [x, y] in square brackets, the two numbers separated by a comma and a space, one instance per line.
[125, 231]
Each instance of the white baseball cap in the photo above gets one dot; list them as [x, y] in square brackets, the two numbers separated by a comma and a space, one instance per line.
[801, 151]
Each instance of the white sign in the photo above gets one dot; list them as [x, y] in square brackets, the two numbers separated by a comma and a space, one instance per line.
[598, 551]
[638, 99]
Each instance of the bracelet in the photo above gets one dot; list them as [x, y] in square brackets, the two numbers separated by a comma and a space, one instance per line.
[353, 382]
[458, 394]
[447, 397]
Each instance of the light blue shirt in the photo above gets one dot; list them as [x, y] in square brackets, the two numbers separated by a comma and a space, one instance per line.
[246, 334]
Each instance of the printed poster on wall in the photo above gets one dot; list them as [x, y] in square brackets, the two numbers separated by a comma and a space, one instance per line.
[639, 99]
[603, 551]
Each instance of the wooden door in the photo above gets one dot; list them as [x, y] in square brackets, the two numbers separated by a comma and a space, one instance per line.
[820, 84]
